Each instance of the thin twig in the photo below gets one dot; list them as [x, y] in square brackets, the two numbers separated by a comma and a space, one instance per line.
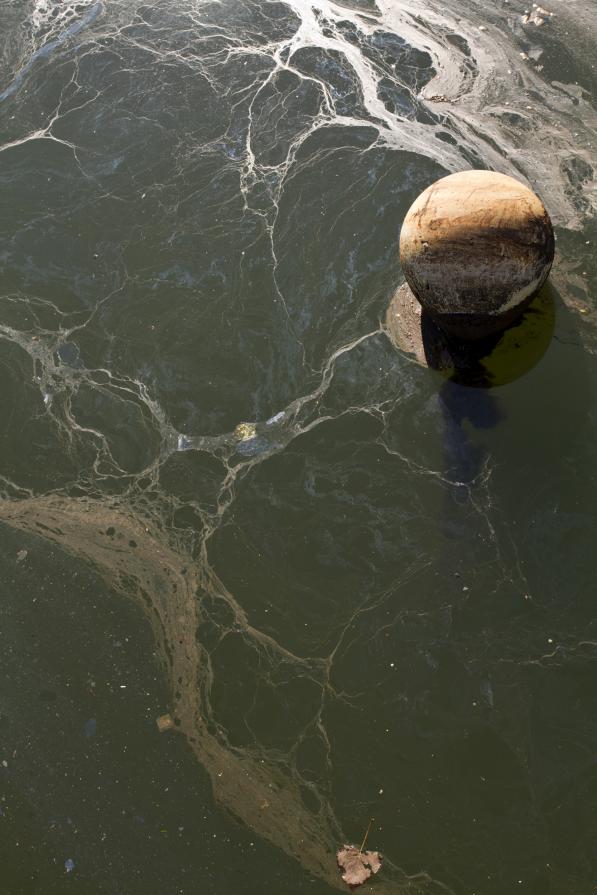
[366, 834]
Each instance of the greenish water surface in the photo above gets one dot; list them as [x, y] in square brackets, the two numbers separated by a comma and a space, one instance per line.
[357, 588]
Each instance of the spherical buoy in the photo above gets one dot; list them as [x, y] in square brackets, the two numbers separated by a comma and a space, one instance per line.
[475, 247]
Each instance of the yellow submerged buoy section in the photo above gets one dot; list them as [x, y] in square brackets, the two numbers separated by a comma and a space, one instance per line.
[484, 363]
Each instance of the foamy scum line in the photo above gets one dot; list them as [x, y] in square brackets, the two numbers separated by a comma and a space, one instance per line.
[489, 99]
[488, 91]
[49, 17]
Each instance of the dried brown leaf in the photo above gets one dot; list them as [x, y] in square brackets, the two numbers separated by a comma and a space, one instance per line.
[164, 722]
[357, 866]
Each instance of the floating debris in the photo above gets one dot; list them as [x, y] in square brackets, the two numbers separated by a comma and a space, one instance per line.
[244, 431]
[164, 723]
[357, 866]
[21, 555]
[249, 442]
[69, 865]
[536, 16]
[277, 418]
[184, 443]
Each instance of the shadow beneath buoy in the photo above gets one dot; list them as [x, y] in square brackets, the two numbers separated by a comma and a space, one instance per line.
[484, 363]
[463, 458]
[471, 370]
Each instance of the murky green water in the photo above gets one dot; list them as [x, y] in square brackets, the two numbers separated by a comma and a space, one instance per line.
[358, 589]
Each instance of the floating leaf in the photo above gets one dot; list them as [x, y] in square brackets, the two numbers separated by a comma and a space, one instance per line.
[357, 866]
[164, 722]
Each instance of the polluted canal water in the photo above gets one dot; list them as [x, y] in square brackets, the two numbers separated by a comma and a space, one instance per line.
[275, 557]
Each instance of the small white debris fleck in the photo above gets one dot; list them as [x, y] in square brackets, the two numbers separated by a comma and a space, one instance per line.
[276, 418]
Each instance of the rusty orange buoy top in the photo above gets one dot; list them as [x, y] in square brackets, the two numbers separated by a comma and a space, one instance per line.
[475, 247]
